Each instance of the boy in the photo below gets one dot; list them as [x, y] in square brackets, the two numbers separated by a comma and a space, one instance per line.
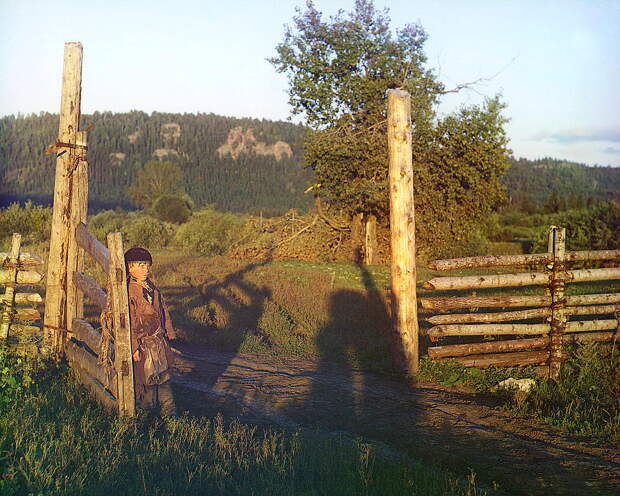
[151, 330]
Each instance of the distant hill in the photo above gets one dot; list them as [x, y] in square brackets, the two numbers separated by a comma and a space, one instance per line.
[240, 165]
[533, 183]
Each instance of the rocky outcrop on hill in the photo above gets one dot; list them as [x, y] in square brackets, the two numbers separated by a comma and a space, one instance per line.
[240, 141]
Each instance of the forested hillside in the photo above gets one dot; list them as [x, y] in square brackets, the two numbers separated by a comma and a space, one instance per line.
[553, 185]
[240, 165]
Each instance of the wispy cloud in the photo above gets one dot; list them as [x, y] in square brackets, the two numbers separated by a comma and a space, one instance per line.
[568, 136]
[611, 150]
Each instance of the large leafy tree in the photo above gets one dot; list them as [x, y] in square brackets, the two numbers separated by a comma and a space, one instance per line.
[156, 179]
[339, 71]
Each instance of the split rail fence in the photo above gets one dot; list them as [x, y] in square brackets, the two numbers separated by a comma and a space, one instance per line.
[554, 309]
[18, 268]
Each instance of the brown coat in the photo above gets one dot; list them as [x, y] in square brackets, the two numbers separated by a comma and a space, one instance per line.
[143, 313]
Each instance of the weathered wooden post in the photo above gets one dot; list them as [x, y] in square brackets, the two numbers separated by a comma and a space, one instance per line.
[9, 293]
[68, 157]
[123, 363]
[370, 253]
[558, 302]
[402, 227]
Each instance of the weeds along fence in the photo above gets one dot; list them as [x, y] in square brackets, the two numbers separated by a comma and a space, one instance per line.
[104, 363]
[17, 329]
[538, 343]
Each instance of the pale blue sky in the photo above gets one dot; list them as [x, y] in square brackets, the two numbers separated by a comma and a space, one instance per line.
[556, 63]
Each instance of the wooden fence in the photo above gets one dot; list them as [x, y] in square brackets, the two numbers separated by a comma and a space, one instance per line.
[552, 310]
[66, 331]
[111, 382]
[18, 268]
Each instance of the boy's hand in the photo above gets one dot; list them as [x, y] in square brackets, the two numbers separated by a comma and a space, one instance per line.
[136, 356]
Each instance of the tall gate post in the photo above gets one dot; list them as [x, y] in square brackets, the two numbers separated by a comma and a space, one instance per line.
[558, 302]
[119, 299]
[68, 157]
[402, 227]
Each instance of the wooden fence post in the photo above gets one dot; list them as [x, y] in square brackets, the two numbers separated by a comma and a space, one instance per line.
[75, 254]
[402, 227]
[558, 302]
[9, 293]
[119, 300]
[55, 322]
[370, 244]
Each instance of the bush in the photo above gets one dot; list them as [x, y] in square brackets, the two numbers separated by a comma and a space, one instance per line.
[33, 222]
[103, 223]
[209, 232]
[146, 231]
[171, 208]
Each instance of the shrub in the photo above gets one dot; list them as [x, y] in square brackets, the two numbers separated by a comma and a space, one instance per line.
[209, 232]
[146, 231]
[103, 223]
[33, 222]
[171, 208]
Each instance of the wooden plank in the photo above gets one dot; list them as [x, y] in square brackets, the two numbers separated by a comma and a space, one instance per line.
[489, 261]
[85, 332]
[486, 329]
[98, 391]
[23, 276]
[7, 316]
[26, 330]
[70, 108]
[27, 314]
[90, 288]
[88, 362]
[488, 281]
[25, 259]
[515, 359]
[119, 300]
[24, 298]
[93, 246]
[402, 228]
[454, 302]
[462, 318]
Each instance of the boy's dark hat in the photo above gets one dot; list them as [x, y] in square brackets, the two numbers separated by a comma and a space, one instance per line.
[138, 254]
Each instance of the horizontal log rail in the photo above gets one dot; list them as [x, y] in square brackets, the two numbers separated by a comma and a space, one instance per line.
[454, 350]
[88, 362]
[487, 329]
[83, 331]
[591, 325]
[455, 302]
[24, 259]
[22, 330]
[23, 277]
[519, 280]
[520, 260]
[92, 246]
[90, 288]
[464, 318]
[24, 298]
[518, 358]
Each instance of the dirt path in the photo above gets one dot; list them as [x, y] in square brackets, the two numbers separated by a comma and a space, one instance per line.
[446, 427]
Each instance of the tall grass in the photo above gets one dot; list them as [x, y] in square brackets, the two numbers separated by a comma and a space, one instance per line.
[56, 441]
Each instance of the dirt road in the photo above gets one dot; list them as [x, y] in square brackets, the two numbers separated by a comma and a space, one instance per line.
[449, 428]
